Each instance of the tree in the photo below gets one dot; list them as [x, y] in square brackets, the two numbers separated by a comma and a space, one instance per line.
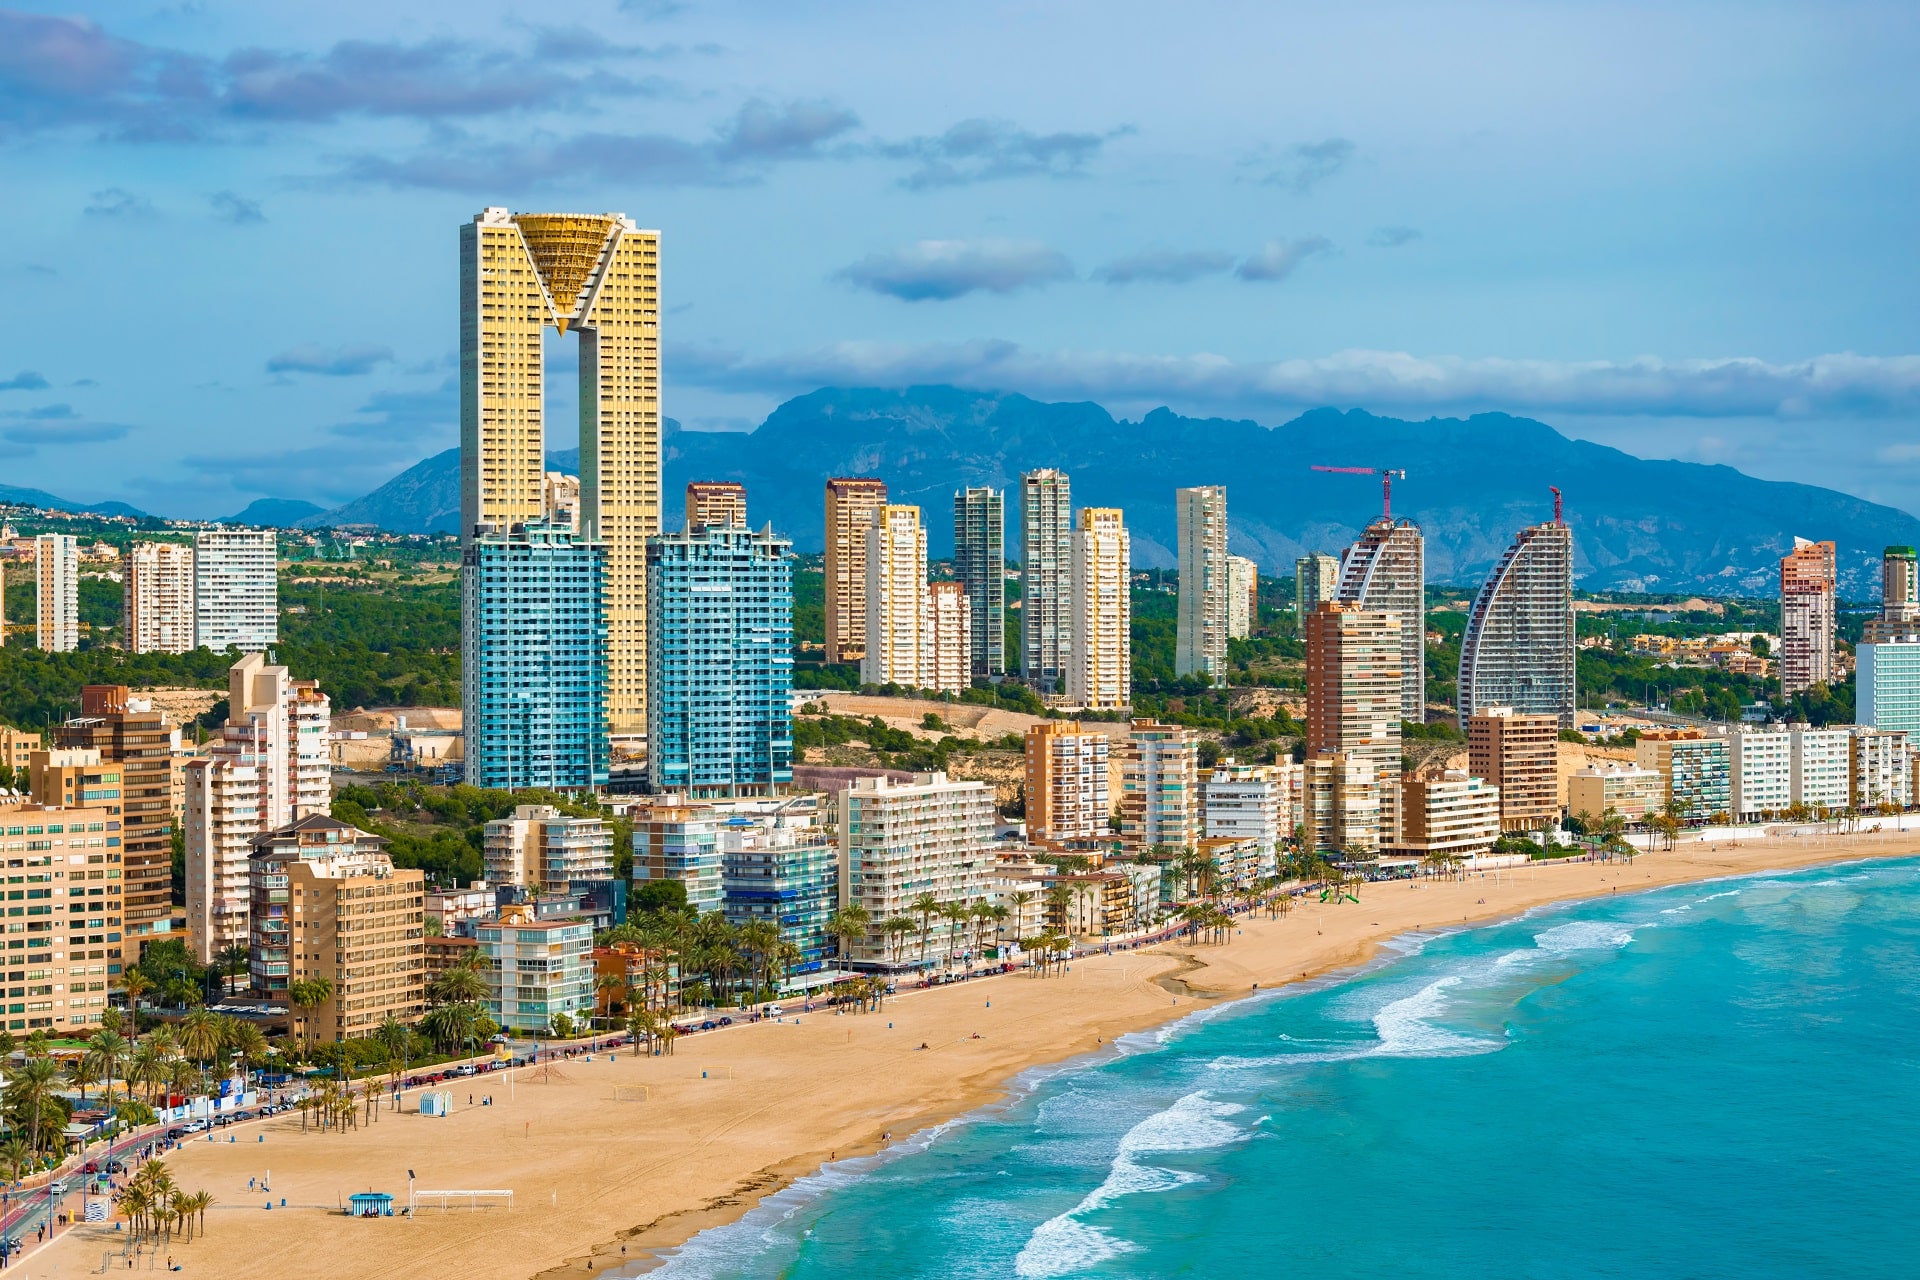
[307, 995]
[461, 984]
[28, 1092]
[106, 1050]
[848, 925]
[924, 905]
[896, 930]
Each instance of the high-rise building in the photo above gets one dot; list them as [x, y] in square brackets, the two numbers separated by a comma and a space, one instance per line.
[1159, 788]
[1519, 755]
[327, 902]
[1251, 802]
[56, 566]
[1243, 597]
[852, 503]
[1447, 812]
[1807, 575]
[158, 598]
[1820, 766]
[236, 594]
[1695, 772]
[560, 500]
[1066, 783]
[533, 683]
[542, 849]
[1340, 803]
[1518, 648]
[1099, 663]
[680, 842]
[128, 732]
[980, 565]
[784, 868]
[1316, 580]
[720, 664]
[76, 954]
[536, 969]
[1759, 770]
[1200, 633]
[1047, 639]
[1354, 695]
[309, 721]
[598, 275]
[946, 639]
[1900, 585]
[899, 840]
[715, 504]
[1880, 770]
[895, 595]
[1387, 571]
[1887, 683]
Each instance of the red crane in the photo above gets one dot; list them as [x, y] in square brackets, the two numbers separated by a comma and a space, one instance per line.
[1556, 504]
[1387, 476]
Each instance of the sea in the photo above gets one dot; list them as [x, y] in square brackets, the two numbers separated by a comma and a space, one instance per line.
[1720, 1079]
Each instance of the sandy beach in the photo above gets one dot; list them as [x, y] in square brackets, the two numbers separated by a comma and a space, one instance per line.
[735, 1115]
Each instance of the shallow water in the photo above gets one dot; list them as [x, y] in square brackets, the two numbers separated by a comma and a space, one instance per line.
[1711, 1080]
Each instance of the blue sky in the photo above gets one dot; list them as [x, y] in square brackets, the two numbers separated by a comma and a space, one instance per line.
[1686, 229]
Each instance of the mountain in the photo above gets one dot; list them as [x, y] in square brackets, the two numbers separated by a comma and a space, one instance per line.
[275, 513]
[12, 495]
[425, 498]
[1639, 524]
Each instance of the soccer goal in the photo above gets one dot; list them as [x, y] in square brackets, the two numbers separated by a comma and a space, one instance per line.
[472, 1199]
[633, 1093]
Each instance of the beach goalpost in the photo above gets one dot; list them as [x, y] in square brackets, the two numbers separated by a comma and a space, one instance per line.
[713, 1073]
[473, 1199]
[633, 1093]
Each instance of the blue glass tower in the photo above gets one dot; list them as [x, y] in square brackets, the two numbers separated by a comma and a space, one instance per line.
[719, 662]
[534, 675]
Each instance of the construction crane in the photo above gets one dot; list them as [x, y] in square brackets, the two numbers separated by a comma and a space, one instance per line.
[1556, 504]
[1387, 476]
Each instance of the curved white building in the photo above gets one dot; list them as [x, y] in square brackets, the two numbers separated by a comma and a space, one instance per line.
[1518, 648]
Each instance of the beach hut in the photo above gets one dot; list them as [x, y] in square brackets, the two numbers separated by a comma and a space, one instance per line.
[370, 1204]
[437, 1102]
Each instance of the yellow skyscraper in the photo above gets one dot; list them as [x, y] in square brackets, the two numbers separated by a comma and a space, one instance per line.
[598, 276]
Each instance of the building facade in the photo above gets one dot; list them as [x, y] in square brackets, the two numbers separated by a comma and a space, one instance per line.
[71, 947]
[1879, 770]
[1759, 771]
[1448, 812]
[1386, 571]
[1243, 597]
[1519, 755]
[157, 598]
[784, 870]
[1340, 803]
[946, 639]
[1159, 788]
[1046, 579]
[597, 275]
[899, 840]
[1067, 787]
[716, 504]
[1518, 648]
[980, 565]
[1887, 683]
[720, 670]
[56, 571]
[896, 600]
[327, 902]
[1354, 694]
[1099, 616]
[1807, 576]
[536, 970]
[236, 592]
[1820, 766]
[680, 842]
[1200, 635]
[128, 732]
[534, 681]
[1629, 790]
[1695, 770]
[1250, 802]
[542, 849]
[1316, 580]
[852, 503]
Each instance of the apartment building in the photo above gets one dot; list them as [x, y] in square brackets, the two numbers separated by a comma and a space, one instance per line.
[327, 902]
[1760, 771]
[1880, 770]
[1447, 812]
[1316, 580]
[1250, 802]
[783, 867]
[1630, 790]
[896, 590]
[1518, 647]
[716, 504]
[1340, 802]
[1887, 682]
[680, 842]
[236, 595]
[1243, 597]
[1066, 783]
[980, 565]
[899, 840]
[1519, 756]
[1821, 764]
[1159, 788]
[946, 639]
[143, 743]
[1200, 633]
[852, 502]
[1048, 631]
[56, 569]
[1386, 572]
[560, 500]
[65, 939]
[1354, 694]
[1098, 663]
[1695, 770]
[158, 609]
[16, 746]
[1807, 578]
[536, 970]
[542, 849]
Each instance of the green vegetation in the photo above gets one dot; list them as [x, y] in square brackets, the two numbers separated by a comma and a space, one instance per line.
[442, 830]
[896, 748]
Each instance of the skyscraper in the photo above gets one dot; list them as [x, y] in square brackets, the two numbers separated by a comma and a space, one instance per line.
[720, 661]
[599, 275]
[1518, 649]
[980, 564]
[1099, 672]
[1387, 570]
[236, 596]
[717, 503]
[157, 594]
[946, 639]
[534, 684]
[128, 732]
[1159, 788]
[1316, 579]
[1243, 597]
[1520, 754]
[1066, 783]
[1353, 695]
[56, 567]
[1806, 616]
[1200, 643]
[896, 564]
[1899, 597]
[851, 504]
[1046, 550]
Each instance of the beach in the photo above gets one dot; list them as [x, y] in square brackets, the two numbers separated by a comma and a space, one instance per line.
[735, 1115]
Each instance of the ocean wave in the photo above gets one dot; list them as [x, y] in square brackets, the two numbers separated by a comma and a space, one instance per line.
[1065, 1244]
[1585, 935]
[1402, 1028]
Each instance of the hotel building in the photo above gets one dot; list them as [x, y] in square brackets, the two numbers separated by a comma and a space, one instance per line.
[895, 596]
[1807, 575]
[1518, 648]
[236, 594]
[1518, 755]
[716, 504]
[1354, 695]
[852, 503]
[542, 849]
[899, 840]
[1386, 572]
[1066, 783]
[1159, 788]
[56, 568]
[980, 565]
[65, 937]
[1200, 633]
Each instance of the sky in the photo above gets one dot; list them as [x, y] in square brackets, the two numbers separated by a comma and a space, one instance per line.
[1685, 229]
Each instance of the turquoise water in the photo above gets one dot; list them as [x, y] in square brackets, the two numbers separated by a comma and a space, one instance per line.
[1716, 1080]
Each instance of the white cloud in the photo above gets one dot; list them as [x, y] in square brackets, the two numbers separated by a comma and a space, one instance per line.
[945, 269]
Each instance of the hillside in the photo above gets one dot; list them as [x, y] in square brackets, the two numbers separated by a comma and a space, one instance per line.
[13, 495]
[1639, 525]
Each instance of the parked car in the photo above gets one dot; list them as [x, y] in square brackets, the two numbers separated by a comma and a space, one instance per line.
[774, 1011]
[726, 1022]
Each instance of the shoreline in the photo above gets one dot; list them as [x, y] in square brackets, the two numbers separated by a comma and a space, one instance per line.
[632, 1181]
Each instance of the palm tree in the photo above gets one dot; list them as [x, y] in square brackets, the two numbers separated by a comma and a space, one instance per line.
[956, 915]
[245, 1042]
[308, 995]
[17, 1157]
[81, 1072]
[135, 984]
[105, 1050]
[28, 1093]
[200, 1035]
[758, 938]
[924, 905]
[231, 962]
[462, 984]
[1058, 897]
[896, 930]
[849, 924]
[786, 957]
